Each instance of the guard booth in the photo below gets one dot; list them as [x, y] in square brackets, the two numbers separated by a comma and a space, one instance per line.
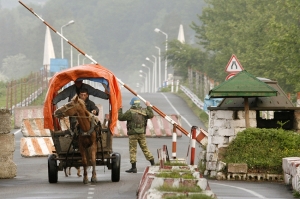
[247, 102]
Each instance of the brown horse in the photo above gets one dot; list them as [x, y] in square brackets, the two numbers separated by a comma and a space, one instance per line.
[87, 138]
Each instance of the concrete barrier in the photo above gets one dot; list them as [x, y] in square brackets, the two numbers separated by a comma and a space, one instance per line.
[291, 169]
[7, 146]
[37, 141]
[24, 112]
[36, 146]
[34, 127]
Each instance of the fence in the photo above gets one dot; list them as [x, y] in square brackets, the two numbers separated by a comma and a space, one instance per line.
[24, 91]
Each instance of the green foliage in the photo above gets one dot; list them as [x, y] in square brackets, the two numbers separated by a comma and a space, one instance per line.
[175, 163]
[200, 113]
[264, 35]
[176, 174]
[263, 149]
[180, 188]
[190, 196]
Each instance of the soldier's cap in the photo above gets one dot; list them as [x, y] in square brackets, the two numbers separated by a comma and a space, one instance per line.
[134, 100]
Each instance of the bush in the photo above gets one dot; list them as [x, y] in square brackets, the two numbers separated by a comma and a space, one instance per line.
[263, 149]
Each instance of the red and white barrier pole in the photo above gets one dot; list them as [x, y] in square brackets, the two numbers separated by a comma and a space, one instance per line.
[193, 145]
[174, 141]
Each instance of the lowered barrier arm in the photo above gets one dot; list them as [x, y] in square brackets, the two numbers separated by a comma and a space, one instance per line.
[168, 118]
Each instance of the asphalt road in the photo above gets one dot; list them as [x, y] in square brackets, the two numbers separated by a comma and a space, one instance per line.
[32, 173]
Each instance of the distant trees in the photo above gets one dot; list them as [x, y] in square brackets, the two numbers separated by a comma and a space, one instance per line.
[264, 35]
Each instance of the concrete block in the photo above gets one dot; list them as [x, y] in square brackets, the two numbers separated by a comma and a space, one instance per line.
[202, 155]
[7, 143]
[226, 132]
[241, 114]
[222, 123]
[256, 176]
[212, 156]
[217, 140]
[240, 123]
[211, 165]
[237, 168]
[220, 176]
[27, 112]
[34, 127]
[236, 176]
[220, 166]
[253, 123]
[213, 174]
[221, 114]
[8, 169]
[211, 148]
[5, 121]
[202, 183]
[238, 129]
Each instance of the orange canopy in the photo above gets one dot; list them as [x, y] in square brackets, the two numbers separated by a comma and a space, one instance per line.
[89, 71]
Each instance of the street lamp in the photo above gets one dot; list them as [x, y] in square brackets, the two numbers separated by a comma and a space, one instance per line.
[78, 59]
[153, 74]
[146, 82]
[143, 65]
[145, 85]
[155, 79]
[159, 68]
[166, 59]
[61, 32]
[83, 60]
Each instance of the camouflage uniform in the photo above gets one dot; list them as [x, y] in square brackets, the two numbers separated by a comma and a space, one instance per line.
[136, 135]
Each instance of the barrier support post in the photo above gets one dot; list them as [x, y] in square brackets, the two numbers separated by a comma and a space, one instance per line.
[174, 141]
[193, 145]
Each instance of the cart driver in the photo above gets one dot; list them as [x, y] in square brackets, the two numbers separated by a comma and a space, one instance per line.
[71, 91]
[90, 105]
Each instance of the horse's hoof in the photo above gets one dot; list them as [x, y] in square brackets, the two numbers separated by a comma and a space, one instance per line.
[79, 175]
[85, 181]
[94, 180]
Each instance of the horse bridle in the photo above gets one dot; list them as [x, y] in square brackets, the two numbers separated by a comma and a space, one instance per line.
[67, 107]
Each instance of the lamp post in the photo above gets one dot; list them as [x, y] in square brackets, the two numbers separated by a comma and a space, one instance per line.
[155, 79]
[159, 68]
[83, 60]
[78, 59]
[146, 80]
[153, 74]
[166, 59]
[62, 43]
[143, 65]
[145, 85]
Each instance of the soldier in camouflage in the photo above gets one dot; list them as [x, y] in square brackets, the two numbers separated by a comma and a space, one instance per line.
[136, 118]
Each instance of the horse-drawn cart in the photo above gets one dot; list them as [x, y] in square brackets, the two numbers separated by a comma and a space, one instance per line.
[67, 153]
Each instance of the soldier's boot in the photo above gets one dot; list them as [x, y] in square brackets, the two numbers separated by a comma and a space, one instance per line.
[133, 168]
[152, 162]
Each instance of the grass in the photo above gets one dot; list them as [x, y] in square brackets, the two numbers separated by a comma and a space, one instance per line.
[190, 196]
[176, 174]
[202, 115]
[180, 188]
[174, 164]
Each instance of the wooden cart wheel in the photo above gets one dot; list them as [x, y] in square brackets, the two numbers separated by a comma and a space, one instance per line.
[115, 167]
[52, 169]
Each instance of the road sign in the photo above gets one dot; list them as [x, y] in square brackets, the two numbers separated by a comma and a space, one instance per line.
[230, 76]
[233, 65]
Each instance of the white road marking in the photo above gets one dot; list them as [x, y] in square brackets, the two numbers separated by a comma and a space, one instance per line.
[18, 131]
[247, 190]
